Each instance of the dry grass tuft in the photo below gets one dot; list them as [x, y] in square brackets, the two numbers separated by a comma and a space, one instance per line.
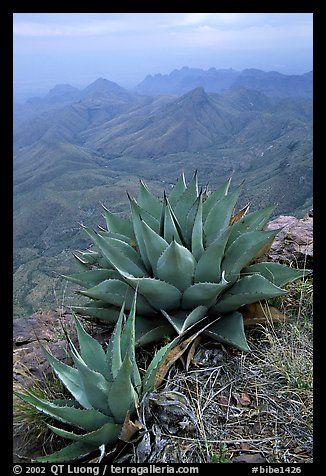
[237, 407]
[32, 436]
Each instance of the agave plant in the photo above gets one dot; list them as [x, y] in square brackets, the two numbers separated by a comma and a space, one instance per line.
[106, 387]
[189, 255]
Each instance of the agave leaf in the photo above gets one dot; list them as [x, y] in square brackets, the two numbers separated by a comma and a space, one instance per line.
[70, 378]
[73, 452]
[113, 351]
[127, 344]
[114, 291]
[145, 215]
[95, 386]
[122, 396]
[214, 197]
[190, 219]
[186, 201]
[110, 291]
[276, 273]
[158, 359]
[93, 257]
[177, 190]
[255, 221]
[176, 319]
[102, 261]
[171, 226]
[181, 321]
[137, 225]
[127, 333]
[159, 294]
[117, 236]
[65, 403]
[246, 291]
[99, 310]
[117, 256]
[229, 329]
[209, 265]
[117, 224]
[202, 294]
[107, 434]
[176, 265]
[93, 277]
[88, 420]
[152, 329]
[148, 201]
[218, 218]
[197, 238]
[154, 245]
[126, 250]
[242, 251]
[86, 263]
[91, 351]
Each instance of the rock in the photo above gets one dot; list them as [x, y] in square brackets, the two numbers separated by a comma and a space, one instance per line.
[29, 334]
[255, 458]
[294, 242]
[49, 329]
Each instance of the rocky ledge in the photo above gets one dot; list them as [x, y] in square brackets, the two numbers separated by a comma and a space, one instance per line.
[294, 243]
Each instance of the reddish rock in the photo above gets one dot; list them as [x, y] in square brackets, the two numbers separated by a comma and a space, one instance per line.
[46, 329]
[294, 242]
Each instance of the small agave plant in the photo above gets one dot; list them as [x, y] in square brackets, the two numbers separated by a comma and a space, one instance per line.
[189, 256]
[106, 387]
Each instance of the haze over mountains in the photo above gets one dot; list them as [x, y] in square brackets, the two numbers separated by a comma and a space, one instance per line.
[216, 80]
[75, 149]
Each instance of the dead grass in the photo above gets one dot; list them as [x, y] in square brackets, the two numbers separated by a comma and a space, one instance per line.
[32, 437]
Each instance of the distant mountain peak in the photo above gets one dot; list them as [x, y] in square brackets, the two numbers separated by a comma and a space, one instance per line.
[195, 98]
[198, 95]
[103, 85]
[60, 89]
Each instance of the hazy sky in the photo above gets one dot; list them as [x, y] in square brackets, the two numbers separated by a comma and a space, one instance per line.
[78, 48]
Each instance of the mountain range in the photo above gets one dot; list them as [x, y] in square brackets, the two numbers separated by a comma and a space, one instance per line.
[75, 149]
[215, 80]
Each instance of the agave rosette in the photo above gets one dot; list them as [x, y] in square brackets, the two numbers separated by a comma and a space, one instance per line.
[189, 256]
[106, 387]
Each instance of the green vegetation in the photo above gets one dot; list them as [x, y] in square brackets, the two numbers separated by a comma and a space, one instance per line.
[190, 258]
[245, 407]
[106, 386]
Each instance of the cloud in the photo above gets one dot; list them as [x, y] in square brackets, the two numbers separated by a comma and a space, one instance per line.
[237, 21]
[87, 28]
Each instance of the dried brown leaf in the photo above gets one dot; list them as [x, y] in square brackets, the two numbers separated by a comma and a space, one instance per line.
[129, 428]
[174, 354]
[191, 352]
[171, 357]
[241, 213]
[258, 313]
[245, 400]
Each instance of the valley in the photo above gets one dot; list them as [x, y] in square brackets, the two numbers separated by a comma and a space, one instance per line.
[74, 150]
